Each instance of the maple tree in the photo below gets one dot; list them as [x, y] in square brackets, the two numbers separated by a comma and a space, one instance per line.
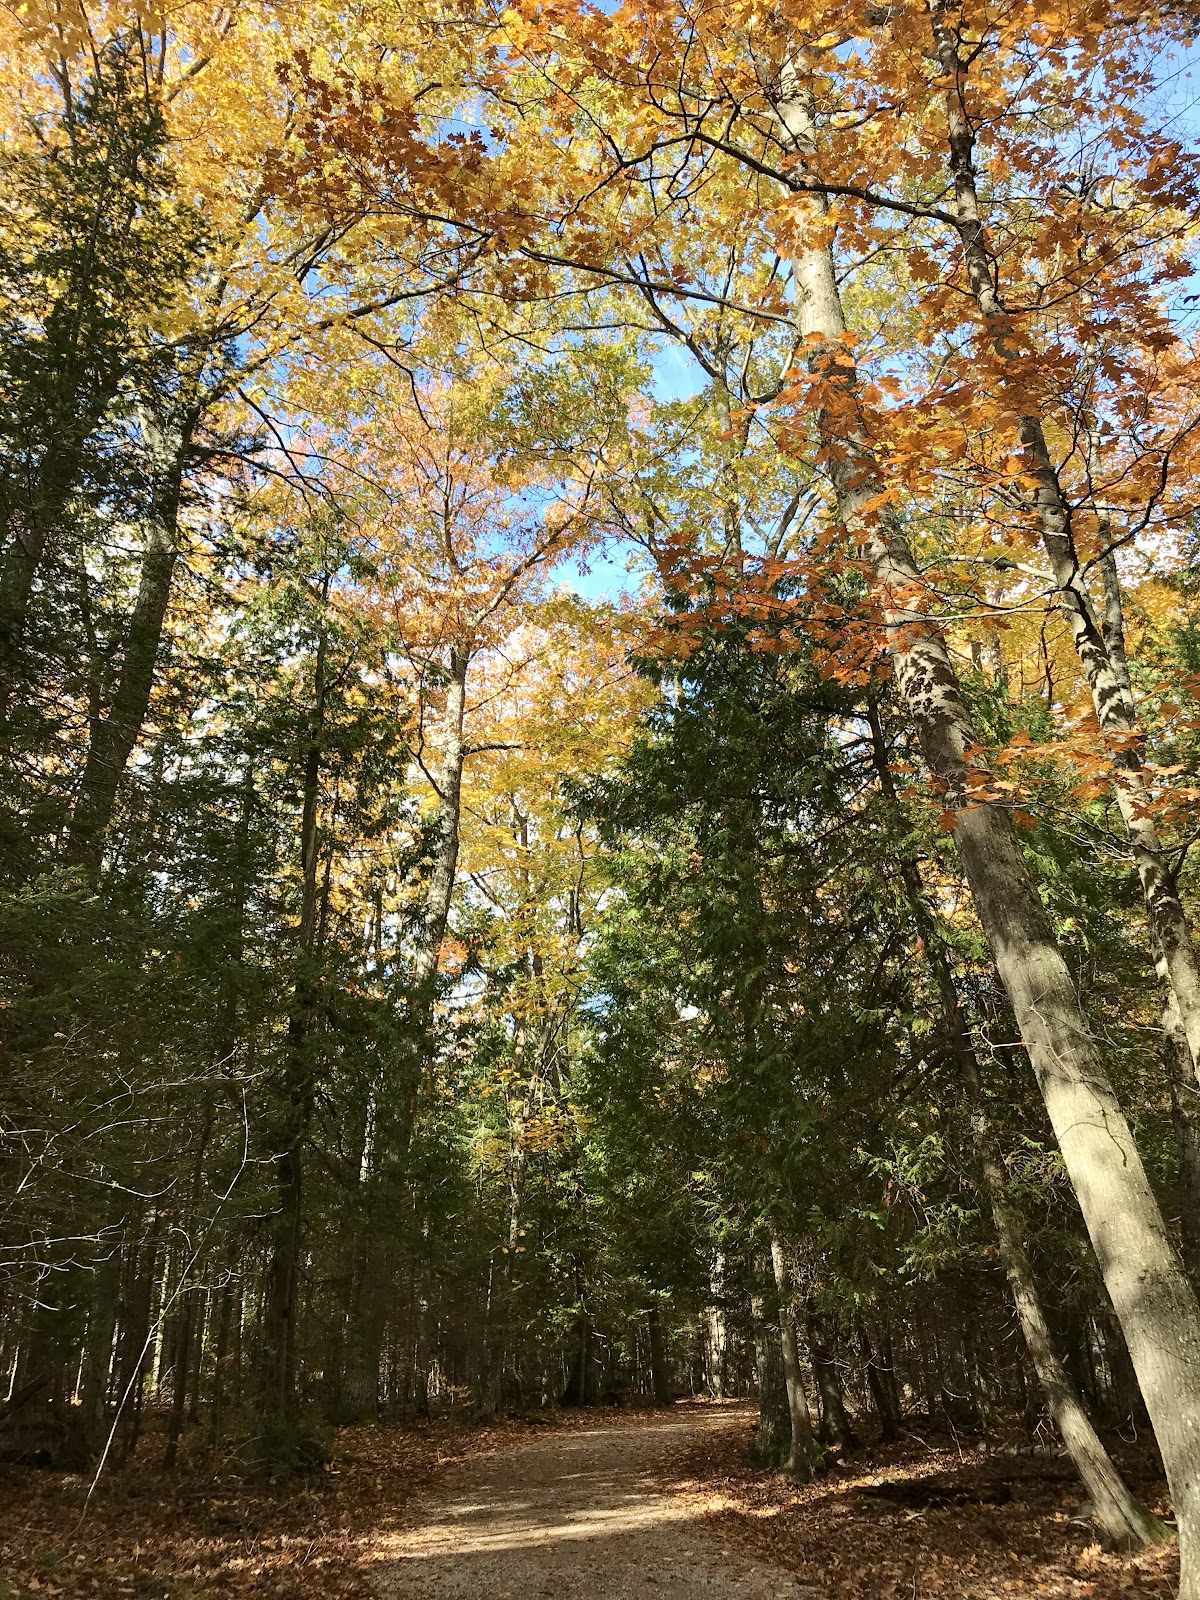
[435, 978]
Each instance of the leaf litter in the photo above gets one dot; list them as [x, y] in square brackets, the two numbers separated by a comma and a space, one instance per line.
[906, 1521]
[918, 1520]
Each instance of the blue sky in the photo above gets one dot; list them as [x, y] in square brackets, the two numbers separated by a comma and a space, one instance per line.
[676, 376]
[618, 566]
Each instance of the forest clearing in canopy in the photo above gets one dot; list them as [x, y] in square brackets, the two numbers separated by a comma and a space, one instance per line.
[600, 754]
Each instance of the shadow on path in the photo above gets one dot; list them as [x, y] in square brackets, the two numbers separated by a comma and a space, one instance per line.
[573, 1515]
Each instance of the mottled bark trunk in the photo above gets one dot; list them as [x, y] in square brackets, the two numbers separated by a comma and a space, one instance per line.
[773, 1448]
[1141, 1272]
[1121, 1522]
[716, 1333]
[1099, 644]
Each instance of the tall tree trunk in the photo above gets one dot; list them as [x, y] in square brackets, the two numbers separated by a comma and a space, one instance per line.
[140, 1271]
[397, 1103]
[1185, 1118]
[227, 1308]
[1099, 646]
[881, 1380]
[835, 1426]
[1122, 1523]
[115, 734]
[98, 1350]
[716, 1332]
[1147, 1285]
[283, 1279]
[804, 1456]
[185, 1332]
[580, 1387]
[773, 1448]
[32, 513]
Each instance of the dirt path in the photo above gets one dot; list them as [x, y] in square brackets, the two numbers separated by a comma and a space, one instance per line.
[574, 1516]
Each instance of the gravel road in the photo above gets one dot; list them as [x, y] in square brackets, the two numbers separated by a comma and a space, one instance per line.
[574, 1515]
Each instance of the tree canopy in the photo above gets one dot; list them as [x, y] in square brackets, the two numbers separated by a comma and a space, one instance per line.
[599, 687]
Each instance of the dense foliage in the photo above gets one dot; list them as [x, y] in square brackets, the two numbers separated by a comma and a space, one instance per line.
[598, 705]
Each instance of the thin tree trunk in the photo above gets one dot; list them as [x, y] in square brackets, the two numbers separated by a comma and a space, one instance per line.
[1147, 1285]
[228, 1299]
[371, 1288]
[185, 1329]
[1122, 1523]
[881, 1381]
[136, 1312]
[283, 1281]
[835, 1423]
[580, 1388]
[98, 1357]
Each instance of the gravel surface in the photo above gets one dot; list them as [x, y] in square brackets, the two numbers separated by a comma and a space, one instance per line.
[572, 1515]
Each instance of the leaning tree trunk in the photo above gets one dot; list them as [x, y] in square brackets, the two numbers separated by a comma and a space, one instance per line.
[115, 734]
[1148, 1287]
[1100, 654]
[1122, 1523]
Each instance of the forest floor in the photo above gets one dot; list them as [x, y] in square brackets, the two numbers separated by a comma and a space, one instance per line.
[596, 1505]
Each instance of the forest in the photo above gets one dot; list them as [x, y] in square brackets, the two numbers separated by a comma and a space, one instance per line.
[600, 755]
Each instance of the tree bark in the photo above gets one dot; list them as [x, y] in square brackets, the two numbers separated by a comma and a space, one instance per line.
[835, 1426]
[773, 1449]
[278, 1399]
[1099, 646]
[804, 1455]
[372, 1282]
[1122, 1523]
[715, 1330]
[1147, 1285]
[1185, 1119]
[881, 1380]
[186, 1328]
